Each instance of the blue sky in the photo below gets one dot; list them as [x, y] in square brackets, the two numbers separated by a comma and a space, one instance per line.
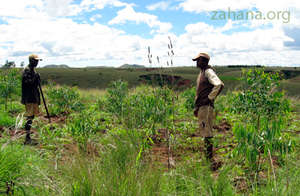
[113, 32]
[178, 17]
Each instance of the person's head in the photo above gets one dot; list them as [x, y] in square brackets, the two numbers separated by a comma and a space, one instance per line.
[202, 60]
[34, 60]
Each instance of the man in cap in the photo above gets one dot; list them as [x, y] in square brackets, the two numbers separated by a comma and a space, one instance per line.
[209, 87]
[31, 95]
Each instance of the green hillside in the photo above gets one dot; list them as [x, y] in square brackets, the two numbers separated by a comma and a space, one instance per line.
[99, 78]
[134, 66]
[56, 66]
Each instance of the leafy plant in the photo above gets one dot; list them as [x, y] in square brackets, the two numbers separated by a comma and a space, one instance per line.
[148, 106]
[189, 96]
[80, 125]
[51, 132]
[10, 84]
[116, 94]
[253, 144]
[260, 98]
[263, 112]
[83, 125]
[63, 99]
[6, 120]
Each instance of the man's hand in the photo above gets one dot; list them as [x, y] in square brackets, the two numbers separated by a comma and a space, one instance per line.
[196, 112]
[210, 98]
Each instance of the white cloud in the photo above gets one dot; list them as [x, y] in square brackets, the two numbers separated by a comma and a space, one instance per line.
[129, 14]
[266, 5]
[100, 4]
[61, 8]
[33, 8]
[64, 39]
[260, 46]
[286, 12]
[40, 27]
[53, 8]
[162, 5]
[265, 39]
[204, 6]
[17, 8]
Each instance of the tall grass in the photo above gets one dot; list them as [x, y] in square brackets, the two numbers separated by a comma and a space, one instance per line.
[118, 172]
[20, 172]
[194, 178]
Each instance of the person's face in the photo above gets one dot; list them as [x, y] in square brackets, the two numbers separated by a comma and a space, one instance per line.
[202, 62]
[33, 63]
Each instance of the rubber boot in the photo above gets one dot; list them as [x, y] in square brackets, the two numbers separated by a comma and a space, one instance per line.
[28, 140]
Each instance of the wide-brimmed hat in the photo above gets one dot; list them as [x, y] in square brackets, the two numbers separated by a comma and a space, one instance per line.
[201, 54]
[35, 57]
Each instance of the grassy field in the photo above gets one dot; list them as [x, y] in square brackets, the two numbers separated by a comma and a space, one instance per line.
[138, 139]
[99, 78]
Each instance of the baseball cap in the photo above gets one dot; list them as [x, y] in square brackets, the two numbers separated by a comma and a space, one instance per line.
[201, 54]
[35, 57]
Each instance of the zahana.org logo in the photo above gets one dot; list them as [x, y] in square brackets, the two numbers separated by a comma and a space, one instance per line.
[251, 15]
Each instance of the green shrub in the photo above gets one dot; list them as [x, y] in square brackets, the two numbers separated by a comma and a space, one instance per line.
[148, 106]
[264, 113]
[260, 97]
[189, 97]
[116, 94]
[6, 120]
[82, 124]
[101, 103]
[10, 84]
[63, 99]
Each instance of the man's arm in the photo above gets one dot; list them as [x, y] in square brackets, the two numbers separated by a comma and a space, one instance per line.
[196, 97]
[214, 80]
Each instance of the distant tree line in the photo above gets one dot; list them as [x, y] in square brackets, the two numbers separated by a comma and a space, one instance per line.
[246, 66]
[11, 64]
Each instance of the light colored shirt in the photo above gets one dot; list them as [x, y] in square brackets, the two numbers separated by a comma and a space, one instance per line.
[214, 80]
